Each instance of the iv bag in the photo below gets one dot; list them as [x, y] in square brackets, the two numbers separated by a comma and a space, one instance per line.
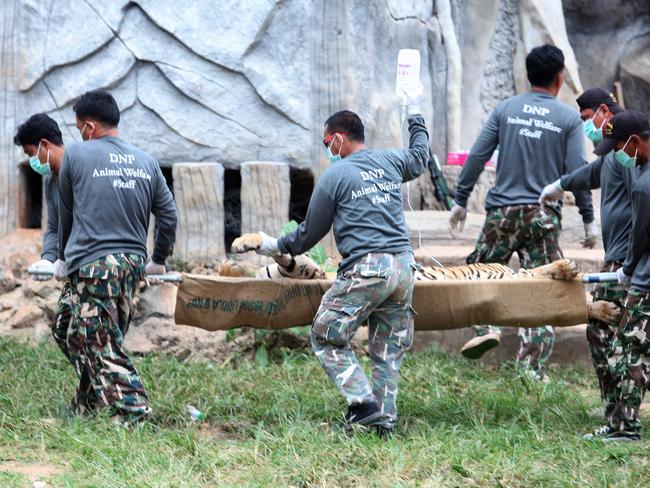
[408, 70]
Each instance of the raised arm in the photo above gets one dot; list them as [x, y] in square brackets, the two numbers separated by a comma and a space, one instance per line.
[414, 160]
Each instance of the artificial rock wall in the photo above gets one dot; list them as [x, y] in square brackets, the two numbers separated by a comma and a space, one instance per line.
[253, 80]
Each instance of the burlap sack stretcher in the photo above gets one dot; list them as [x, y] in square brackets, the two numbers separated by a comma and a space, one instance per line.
[217, 303]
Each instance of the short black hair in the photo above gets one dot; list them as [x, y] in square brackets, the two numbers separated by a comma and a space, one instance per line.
[98, 105]
[348, 122]
[37, 127]
[543, 64]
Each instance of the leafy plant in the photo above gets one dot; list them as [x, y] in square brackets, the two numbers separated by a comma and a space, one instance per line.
[316, 253]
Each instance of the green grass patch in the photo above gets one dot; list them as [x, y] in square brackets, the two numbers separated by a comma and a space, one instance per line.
[462, 424]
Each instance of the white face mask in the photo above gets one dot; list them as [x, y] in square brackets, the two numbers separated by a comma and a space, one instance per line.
[334, 157]
[82, 132]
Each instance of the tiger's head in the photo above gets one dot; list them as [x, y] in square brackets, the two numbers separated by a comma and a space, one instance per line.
[297, 267]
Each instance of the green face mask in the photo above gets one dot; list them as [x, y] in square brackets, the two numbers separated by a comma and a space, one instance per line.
[594, 134]
[623, 159]
[36, 165]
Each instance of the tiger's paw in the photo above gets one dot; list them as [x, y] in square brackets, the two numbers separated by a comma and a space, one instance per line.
[603, 311]
[562, 269]
[247, 242]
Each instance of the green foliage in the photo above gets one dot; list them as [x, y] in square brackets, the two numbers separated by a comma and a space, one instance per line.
[316, 253]
[462, 424]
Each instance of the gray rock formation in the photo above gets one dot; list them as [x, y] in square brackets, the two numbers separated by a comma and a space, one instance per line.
[254, 80]
[606, 36]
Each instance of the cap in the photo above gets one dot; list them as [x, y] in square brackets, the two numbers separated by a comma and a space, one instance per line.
[595, 97]
[621, 127]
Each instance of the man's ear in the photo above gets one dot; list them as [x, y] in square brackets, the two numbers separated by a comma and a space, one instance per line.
[604, 109]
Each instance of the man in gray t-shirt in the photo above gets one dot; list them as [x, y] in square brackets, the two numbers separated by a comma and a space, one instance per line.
[108, 191]
[539, 140]
[597, 107]
[360, 195]
[628, 135]
[40, 138]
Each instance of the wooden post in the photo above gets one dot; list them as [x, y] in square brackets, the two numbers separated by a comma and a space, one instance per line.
[198, 192]
[265, 193]
[9, 44]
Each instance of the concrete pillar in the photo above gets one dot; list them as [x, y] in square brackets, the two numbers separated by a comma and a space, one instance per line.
[198, 192]
[9, 57]
[265, 195]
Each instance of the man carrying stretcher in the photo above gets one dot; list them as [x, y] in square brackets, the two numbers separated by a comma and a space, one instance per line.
[360, 194]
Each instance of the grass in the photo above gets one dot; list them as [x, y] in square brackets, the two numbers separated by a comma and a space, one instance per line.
[461, 425]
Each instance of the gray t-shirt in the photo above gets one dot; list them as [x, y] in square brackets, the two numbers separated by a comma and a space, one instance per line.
[51, 235]
[637, 263]
[616, 184]
[539, 139]
[109, 188]
[362, 196]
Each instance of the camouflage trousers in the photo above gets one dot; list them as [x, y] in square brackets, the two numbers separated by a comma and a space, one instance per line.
[533, 233]
[601, 334]
[102, 302]
[62, 319]
[378, 289]
[629, 363]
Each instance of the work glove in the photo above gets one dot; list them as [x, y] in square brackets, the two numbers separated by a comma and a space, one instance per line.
[457, 219]
[153, 269]
[414, 99]
[60, 270]
[41, 270]
[623, 279]
[591, 235]
[269, 245]
[551, 193]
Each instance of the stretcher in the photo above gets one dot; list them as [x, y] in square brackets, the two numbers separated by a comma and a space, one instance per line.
[220, 303]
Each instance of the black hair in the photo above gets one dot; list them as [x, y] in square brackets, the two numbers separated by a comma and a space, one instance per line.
[543, 64]
[37, 127]
[348, 122]
[98, 105]
[645, 135]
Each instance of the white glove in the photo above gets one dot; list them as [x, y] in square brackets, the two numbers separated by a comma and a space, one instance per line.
[154, 269]
[457, 219]
[551, 193]
[623, 279]
[42, 270]
[414, 99]
[591, 235]
[60, 270]
[269, 245]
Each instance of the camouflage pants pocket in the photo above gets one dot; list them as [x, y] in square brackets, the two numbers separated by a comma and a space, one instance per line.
[336, 322]
[62, 319]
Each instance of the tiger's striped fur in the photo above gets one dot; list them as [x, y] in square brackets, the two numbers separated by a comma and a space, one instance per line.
[298, 268]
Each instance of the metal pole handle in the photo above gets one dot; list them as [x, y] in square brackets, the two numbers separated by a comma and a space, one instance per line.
[608, 277]
[167, 278]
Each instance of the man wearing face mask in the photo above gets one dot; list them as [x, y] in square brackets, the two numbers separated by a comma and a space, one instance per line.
[627, 135]
[539, 139]
[360, 194]
[597, 107]
[108, 190]
[41, 140]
